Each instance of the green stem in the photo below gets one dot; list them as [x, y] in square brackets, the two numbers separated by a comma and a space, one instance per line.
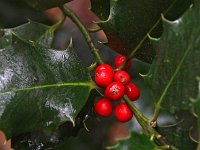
[59, 23]
[84, 31]
[160, 101]
[151, 132]
[92, 67]
[138, 114]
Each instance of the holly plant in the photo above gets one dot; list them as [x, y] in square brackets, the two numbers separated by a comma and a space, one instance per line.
[143, 76]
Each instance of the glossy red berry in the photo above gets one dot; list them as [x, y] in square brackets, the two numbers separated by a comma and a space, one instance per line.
[119, 60]
[132, 91]
[104, 67]
[103, 107]
[122, 76]
[123, 113]
[104, 75]
[115, 91]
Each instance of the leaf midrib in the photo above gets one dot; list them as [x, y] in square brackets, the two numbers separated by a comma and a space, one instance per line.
[149, 32]
[86, 84]
[167, 87]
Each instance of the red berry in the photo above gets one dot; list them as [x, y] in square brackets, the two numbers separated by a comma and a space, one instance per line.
[104, 67]
[103, 107]
[115, 91]
[123, 113]
[122, 76]
[104, 75]
[119, 60]
[132, 91]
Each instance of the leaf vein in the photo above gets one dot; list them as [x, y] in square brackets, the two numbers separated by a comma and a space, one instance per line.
[49, 86]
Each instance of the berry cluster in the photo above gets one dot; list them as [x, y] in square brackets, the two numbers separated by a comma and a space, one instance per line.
[116, 84]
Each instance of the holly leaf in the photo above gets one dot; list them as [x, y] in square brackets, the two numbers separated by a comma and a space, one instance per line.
[135, 141]
[27, 32]
[45, 4]
[177, 55]
[172, 75]
[129, 22]
[40, 88]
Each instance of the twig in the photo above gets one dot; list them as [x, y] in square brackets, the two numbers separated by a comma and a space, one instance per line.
[84, 31]
[151, 132]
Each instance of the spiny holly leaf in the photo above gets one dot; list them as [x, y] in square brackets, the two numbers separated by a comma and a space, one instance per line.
[45, 4]
[32, 32]
[135, 141]
[39, 140]
[173, 74]
[40, 88]
[129, 22]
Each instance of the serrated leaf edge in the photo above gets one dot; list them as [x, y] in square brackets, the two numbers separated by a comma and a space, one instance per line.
[179, 65]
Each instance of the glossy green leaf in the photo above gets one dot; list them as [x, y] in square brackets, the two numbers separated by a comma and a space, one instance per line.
[45, 4]
[135, 141]
[173, 73]
[32, 32]
[40, 88]
[95, 139]
[39, 140]
[129, 22]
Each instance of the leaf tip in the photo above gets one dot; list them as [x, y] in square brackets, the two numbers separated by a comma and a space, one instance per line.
[103, 42]
[152, 38]
[143, 75]
[164, 19]
[101, 21]
[112, 147]
[72, 120]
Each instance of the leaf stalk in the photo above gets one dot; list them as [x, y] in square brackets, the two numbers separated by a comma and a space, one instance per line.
[151, 132]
